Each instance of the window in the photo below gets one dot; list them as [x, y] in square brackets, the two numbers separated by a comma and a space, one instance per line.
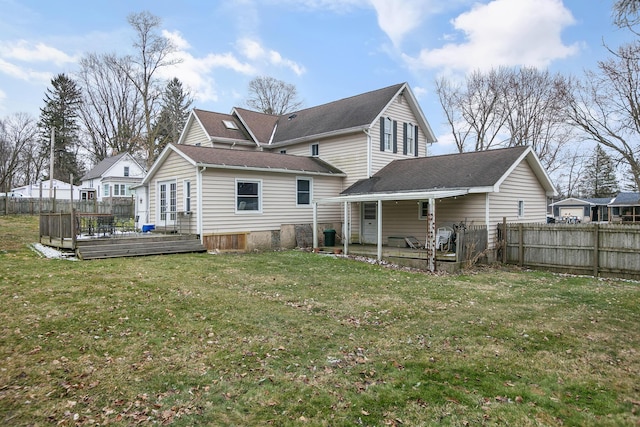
[119, 190]
[410, 143]
[423, 208]
[520, 208]
[248, 196]
[230, 124]
[126, 171]
[315, 150]
[187, 196]
[105, 190]
[387, 134]
[303, 191]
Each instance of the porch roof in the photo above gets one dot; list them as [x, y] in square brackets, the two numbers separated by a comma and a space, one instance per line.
[409, 195]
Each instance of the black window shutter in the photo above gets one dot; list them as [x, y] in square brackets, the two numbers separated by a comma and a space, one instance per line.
[381, 133]
[415, 139]
[404, 138]
[395, 136]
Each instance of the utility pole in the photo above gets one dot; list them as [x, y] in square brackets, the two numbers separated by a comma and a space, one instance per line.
[53, 140]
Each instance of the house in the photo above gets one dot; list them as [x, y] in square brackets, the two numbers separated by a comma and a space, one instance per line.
[59, 189]
[247, 180]
[625, 207]
[111, 178]
[575, 209]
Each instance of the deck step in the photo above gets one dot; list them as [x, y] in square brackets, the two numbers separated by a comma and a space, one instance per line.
[127, 247]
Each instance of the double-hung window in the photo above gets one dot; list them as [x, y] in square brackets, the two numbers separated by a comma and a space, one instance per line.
[411, 140]
[303, 191]
[248, 196]
[388, 124]
[315, 150]
[187, 196]
[126, 171]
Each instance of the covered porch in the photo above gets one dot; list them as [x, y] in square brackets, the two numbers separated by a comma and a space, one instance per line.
[368, 231]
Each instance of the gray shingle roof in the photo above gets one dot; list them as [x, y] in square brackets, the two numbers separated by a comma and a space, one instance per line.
[256, 159]
[347, 113]
[101, 167]
[214, 126]
[626, 199]
[452, 171]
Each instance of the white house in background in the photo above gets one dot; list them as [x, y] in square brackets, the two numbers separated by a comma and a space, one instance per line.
[61, 190]
[113, 177]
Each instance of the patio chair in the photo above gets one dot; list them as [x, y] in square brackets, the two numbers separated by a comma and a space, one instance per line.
[443, 239]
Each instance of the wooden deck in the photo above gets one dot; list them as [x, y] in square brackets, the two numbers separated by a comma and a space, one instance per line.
[137, 245]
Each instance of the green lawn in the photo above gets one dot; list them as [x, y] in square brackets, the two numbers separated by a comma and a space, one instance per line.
[295, 338]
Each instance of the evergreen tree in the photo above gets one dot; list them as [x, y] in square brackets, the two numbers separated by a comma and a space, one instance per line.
[600, 175]
[60, 113]
[174, 111]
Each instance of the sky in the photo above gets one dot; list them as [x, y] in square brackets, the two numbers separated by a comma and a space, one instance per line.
[328, 49]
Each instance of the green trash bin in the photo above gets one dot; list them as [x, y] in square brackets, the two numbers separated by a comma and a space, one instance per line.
[329, 237]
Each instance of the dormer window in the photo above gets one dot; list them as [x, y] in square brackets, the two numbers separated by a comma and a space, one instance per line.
[230, 124]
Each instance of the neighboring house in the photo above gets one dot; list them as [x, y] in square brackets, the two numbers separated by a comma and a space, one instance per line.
[576, 209]
[625, 208]
[113, 177]
[257, 180]
[59, 189]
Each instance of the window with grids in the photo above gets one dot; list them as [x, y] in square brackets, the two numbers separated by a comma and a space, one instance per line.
[388, 134]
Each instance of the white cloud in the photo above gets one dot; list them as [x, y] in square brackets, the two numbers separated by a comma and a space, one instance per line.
[25, 51]
[254, 51]
[504, 33]
[399, 17]
[21, 73]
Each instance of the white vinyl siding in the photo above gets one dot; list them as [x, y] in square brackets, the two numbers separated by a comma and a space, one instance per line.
[195, 135]
[178, 169]
[278, 201]
[401, 113]
[347, 153]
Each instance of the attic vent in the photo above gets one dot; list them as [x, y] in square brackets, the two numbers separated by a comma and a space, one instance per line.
[229, 124]
[293, 116]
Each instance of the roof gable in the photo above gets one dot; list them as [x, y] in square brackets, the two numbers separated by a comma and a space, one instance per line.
[482, 170]
[103, 166]
[214, 126]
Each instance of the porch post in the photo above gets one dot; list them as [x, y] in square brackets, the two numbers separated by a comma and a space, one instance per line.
[346, 233]
[431, 235]
[315, 225]
[379, 230]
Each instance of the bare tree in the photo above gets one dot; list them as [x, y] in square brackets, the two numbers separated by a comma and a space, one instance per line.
[19, 147]
[626, 13]
[272, 96]
[508, 107]
[606, 106]
[153, 51]
[536, 114]
[112, 110]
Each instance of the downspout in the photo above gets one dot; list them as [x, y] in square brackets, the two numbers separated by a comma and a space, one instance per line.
[199, 216]
[369, 152]
[487, 217]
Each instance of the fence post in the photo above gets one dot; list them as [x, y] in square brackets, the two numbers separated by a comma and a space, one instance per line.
[504, 239]
[520, 245]
[596, 249]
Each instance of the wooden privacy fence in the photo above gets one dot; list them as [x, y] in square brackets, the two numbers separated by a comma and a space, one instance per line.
[471, 242]
[611, 250]
[57, 229]
[118, 207]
